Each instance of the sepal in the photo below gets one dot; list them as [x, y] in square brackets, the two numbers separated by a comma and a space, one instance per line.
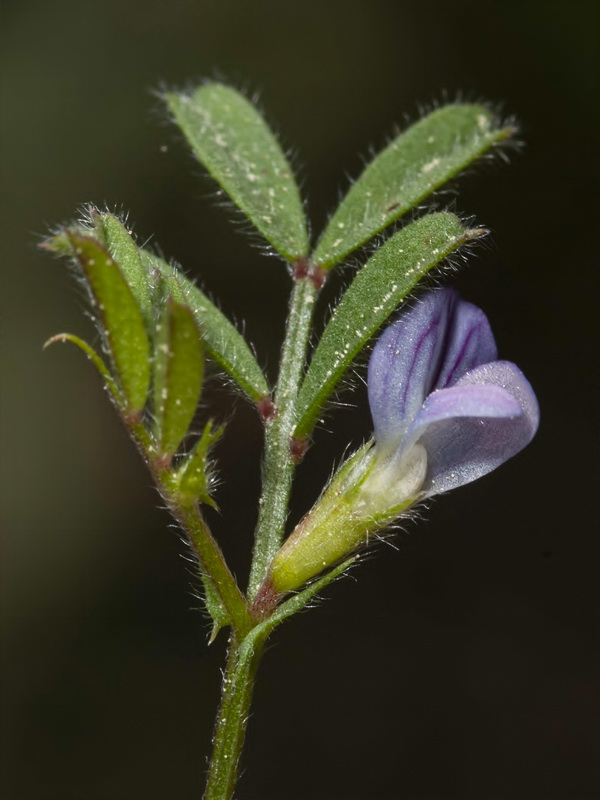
[364, 497]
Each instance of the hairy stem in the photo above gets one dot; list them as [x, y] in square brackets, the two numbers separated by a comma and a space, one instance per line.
[278, 466]
[230, 728]
[213, 564]
[248, 634]
[238, 682]
[210, 556]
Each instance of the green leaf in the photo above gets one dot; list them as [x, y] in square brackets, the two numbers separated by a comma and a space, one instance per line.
[120, 244]
[374, 294]
[94, 358]
[122, 322]
[215, 608]
[178, 373]
[192, 479]
[414, 165]
[157, 281]
[233, 142]
[224, 344]
[112, 234]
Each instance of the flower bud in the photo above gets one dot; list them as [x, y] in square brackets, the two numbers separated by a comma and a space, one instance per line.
[366, 495]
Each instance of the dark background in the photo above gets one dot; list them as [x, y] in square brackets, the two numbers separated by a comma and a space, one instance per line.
[462, 665]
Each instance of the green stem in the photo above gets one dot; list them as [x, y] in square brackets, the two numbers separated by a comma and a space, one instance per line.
[278, 470]
[214, 565]
[210, 556]
[238, 683]
[230, 729]
[248, 635]
[278, 466]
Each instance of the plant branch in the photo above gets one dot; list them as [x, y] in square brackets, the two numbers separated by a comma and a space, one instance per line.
[213, 564]
[210, 557]
[278, 465]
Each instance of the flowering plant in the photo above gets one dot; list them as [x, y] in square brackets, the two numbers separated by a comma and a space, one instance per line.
[445, 411]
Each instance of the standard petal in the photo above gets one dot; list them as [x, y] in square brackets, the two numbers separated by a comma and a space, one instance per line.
[472, 428]
[469, 342]
[404, 363]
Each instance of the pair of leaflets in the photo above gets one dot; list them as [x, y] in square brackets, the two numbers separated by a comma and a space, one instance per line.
[233, 142]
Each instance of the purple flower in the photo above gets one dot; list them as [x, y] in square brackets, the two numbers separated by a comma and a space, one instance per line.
[434, 383]
[445, 412]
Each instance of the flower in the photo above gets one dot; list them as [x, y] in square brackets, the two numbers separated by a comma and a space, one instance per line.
[445, 412]
[434, 382]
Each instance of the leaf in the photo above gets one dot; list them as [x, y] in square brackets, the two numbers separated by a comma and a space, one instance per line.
[178, 373]
[121, 317]
[233, 142]
[120, 244]
[192, 479]
[223, 342]
[378, 288]
[414, 165]
[214, 607]
[94, 358]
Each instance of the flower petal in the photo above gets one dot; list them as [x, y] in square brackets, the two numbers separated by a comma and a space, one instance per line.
[469, 342]
[429, 347]
[472, 428]
[402, 364]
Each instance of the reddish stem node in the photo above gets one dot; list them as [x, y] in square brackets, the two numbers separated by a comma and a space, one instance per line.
[317, 276]
[265, 601]
[301, 268]
[266, 408]
[298, 448]
[163, 462]
[132, 417]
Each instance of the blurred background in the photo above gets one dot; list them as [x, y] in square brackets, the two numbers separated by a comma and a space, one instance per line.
[464, 663]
